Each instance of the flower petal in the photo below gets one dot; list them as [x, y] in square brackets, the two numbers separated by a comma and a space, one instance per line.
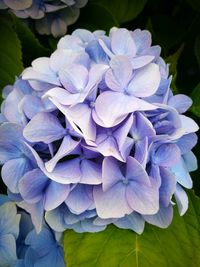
[113, 107]
[13, 170]
[122, 43]
[79, 199]
[67, 146]
[120, 73]
[74, 78]
[145, 82]
[32, 185]
[180, 102]
[181, 173]
[55, 195]
[167, 155]
[90, 172]
[181, 199]
[111, 173]
[44, 127]
[162, 218]
[111, 203]
[142, 198]
[133, 221]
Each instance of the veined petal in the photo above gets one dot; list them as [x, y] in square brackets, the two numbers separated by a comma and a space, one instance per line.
[145, 82]
[74, 78]
[9, 220]
[63, 97]
[180, 102]
[32, 185]
[31, 74]
[141, 127]
[44, 127]
[121, 133]
[187, 142]
[95, 76]
[168, 186]
[167, 155]
[188, 124]
[181, 173]
[79, 199]
[122, 43]
[113, 107]
[109, 148]
[111, 203]
[141, 61]
[120, 73]
[142, 198]
[135, 172]
[133, 221]
[55, 195]
[81, 115]
[8, 250]
[12, 172]
[90, 172]
[190, 161]
[111, 173]
[162, 218]
[67, 145]
[181, 199]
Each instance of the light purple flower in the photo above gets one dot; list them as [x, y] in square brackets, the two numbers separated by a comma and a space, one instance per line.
[93, 135]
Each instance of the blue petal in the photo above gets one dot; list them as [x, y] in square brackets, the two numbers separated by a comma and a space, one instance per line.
[42, 243]
[32, 185]
[161, 219]
[7, 250]
[9, 219]
[44, 127]
[133, 221]
[12, 172]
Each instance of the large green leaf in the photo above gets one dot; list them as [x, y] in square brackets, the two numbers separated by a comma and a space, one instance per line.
[177, 246]
[10, 51]
[196, 100]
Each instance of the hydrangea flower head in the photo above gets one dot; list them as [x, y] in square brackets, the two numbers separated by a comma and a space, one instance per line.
[49, 16]
[93, 135]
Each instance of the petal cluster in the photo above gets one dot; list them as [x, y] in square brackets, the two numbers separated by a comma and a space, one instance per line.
[49, 16]
[93, 135]
[20, 246]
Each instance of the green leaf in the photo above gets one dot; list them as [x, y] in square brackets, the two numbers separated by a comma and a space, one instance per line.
[176, 246]
[196, 100]
[10, 51]
[31, 47]
[197, 49]
[122, 11]
[172, 60]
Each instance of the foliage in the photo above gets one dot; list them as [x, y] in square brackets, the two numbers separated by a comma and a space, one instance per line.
[176, 246]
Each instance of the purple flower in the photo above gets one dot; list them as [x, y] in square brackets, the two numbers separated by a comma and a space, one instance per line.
[49, 16]
[93, 135]
[125, 190]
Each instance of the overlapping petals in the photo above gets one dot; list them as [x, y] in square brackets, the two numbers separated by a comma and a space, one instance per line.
[93, 135]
